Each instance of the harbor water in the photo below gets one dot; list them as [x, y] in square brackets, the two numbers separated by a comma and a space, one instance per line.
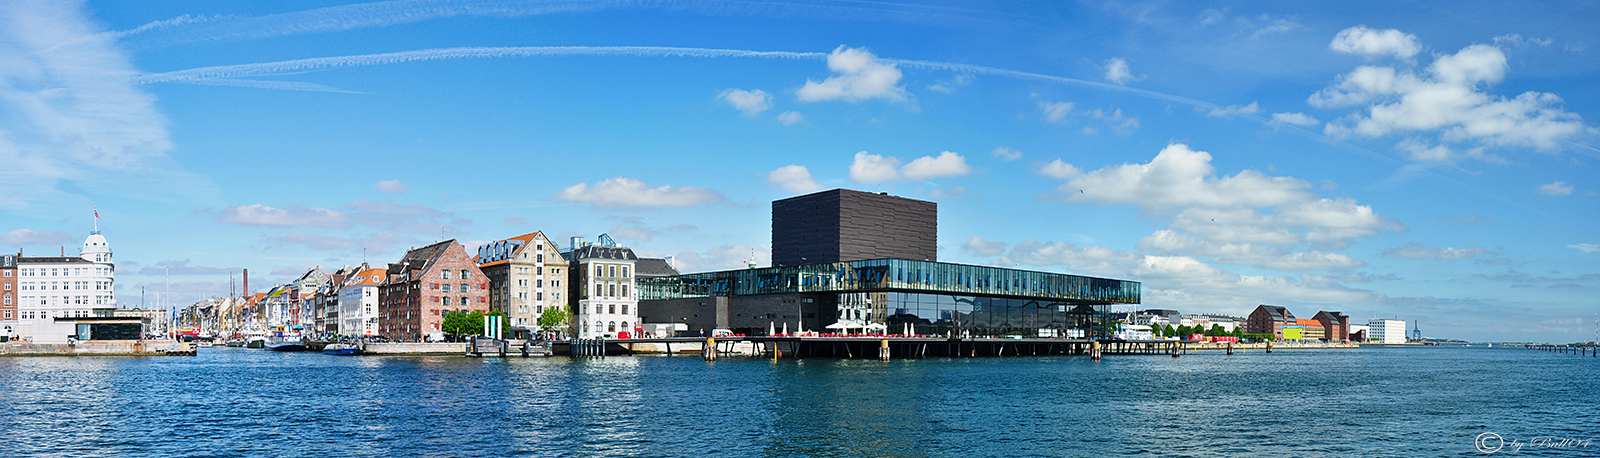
[1377, 401]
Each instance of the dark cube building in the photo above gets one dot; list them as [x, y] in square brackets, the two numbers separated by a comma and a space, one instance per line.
[842, 225]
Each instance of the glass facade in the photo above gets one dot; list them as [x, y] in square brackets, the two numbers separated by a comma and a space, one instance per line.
[894, 275]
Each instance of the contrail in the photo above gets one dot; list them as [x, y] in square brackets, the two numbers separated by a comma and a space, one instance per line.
[300, 65]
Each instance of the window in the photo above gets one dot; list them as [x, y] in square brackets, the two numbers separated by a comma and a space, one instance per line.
[538, 296]
[447, 287]
[463, 275]
[598, 290]
[538, 270]
[463, 287]
[599, 271]
[613, 289]
[446, 301]
[538, 283]
[538, 257]
[444, 275]
[612, 308]
[624, 291]
[463, 301]
[611, 327]
[613, 271]
[624, 310]
[624, 271]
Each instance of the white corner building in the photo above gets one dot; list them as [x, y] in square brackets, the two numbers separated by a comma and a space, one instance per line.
[603, 291]
[358, 302]
[51, 287]
[1386, 331]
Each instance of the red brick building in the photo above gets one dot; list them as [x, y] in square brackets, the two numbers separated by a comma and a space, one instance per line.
[424, 285]
[1269, 319]
[1335, 324]
[8, 294]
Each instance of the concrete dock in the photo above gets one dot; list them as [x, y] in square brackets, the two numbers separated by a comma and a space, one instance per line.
[100, 348]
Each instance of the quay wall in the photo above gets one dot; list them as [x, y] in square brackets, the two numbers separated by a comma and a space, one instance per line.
[1262, 346]
[100, 348]
[416, 348]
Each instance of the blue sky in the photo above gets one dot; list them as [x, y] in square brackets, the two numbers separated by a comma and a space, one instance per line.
[1426, 161]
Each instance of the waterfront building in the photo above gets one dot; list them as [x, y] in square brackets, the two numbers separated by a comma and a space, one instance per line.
[298, 297]
[843, 225]
[821, 284]
[1313, 329]
[51, 287]
[1386, 331]
[526, 276]
[1269, 319]
[426, 284]
[1337, 325]
[603, 291]
[155, 321]
[8, 307]
[358, 302]
[1293, 332]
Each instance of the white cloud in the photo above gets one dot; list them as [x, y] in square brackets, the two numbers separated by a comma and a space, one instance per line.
[629, 192]
[1278, 25]
[793, 178]
[390, 186]
[1373, 43]
[294, 215]
[1118, 122]
[946, 164]
[1006, 154]
[1449, 99]
[1180, 177]
[1233, 110]
[874, 169]
[789, 118]
[1559, 188]
[986, 248]
[1117, 70]
[634, 228]
[1055, 111]
[749, 102]
[1298, 119]
[1416, 251]
[1262, 256]
[1060, 170]
[1586, 247]
[949, 86]
[32, 237]
[859, 76]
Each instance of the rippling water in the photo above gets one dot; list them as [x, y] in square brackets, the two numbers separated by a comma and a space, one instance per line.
[243, 402]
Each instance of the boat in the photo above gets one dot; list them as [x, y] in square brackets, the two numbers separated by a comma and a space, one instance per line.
[236, 343]
[286, 341]
[342, 348]
[255, 342]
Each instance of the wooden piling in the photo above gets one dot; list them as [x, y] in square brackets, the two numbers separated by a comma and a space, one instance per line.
[709, 351]
[883, 349]
[1230, 348]
[1094, 351]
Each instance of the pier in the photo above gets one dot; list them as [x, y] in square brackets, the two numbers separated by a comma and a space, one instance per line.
[1579, 350]
[881, 347]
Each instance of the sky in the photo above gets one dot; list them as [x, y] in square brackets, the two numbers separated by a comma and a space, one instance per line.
[1425, 161]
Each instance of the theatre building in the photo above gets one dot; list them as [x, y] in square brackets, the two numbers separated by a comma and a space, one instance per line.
[866, 263]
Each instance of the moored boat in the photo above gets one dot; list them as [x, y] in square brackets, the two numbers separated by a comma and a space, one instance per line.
[342, 348]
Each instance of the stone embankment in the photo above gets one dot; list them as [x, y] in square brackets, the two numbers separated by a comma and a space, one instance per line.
[100, 348]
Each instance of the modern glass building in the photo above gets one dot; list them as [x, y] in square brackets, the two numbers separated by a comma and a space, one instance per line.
[892, 295]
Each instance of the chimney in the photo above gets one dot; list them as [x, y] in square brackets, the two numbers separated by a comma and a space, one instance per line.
[247, 283]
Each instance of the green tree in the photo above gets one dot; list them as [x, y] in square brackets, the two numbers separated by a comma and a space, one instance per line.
[1184, 331]
[1170, 331]
[458, 324]
[1216, 330]
[553, 318]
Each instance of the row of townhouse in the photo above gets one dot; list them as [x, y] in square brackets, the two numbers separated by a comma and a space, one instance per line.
[1325, 325]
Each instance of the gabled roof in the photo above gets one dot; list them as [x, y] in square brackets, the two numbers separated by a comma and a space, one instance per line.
[653, 267]
[604, 252]
[369, 277]
[420, 258]
[1278, 313]
[501, 251]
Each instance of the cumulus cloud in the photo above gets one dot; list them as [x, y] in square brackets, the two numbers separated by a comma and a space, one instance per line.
[1060, 170]
[874, 169]
[1118, 123]
[1298, 119]
[293, 215]
[1248, 218]
[1117, 70]
[390, 186]
[1006, 154]
[949, 86]
[1373, 43]
[629, 192]
[789, 118]
[859, 75]
[32, 237]
[1414, 250]
[1448, 99]
[1559, 188]
[1234, 110]
[1055, 112]
[986, 248]
[749, 102]
[793, 178]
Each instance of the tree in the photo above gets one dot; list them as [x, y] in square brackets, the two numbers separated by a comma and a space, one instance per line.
[1184, 331]
[1170, 330]
[1216, 330]
[459, 323]
[553, 318]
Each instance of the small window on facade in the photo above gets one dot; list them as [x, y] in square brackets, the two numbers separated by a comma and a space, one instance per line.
[613, 271]
[599, 270]
[464, 275]
[447, 287]
[446, 301]
[538, 257]
[445, 275]
[463, 287]
[624, 310]
[624, 292]
[612, 308]
[624, 271]
[464, 301]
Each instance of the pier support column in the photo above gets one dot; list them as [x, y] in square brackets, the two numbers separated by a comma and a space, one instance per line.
[1175, 349]
[1230, 348]
[883, 349]
[1094, 351]
[709, 350]
[1269, 347]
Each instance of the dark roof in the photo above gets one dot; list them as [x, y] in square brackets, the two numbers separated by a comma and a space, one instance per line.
[54, 259]
[1278, 313]
[603, 252]
[653, 267]
[8, 261]
[420, 258]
